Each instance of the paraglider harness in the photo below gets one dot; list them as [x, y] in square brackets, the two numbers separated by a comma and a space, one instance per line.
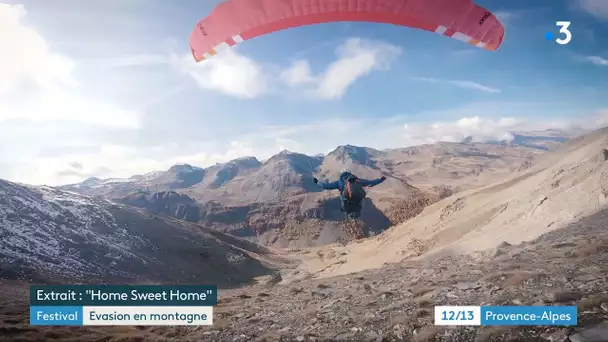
[353, 192]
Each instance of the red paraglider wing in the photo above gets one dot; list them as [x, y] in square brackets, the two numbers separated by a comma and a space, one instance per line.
[233, 21]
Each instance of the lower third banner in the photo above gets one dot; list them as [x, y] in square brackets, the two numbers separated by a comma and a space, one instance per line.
[121, 315]
[506, 315]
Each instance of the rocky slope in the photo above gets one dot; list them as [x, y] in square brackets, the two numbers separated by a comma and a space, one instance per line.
[557, 188]
[297, 221]
[169, 203]
[457, 166]
[394, 303]
[53, 235]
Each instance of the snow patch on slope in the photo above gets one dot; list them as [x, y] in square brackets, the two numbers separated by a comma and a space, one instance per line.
[44, 227]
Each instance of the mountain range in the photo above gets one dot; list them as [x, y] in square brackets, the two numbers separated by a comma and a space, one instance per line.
[494, 223]
[275, 202]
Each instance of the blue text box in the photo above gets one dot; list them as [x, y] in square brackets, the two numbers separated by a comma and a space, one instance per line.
[123, 295]
[55, 315]
[529, 315]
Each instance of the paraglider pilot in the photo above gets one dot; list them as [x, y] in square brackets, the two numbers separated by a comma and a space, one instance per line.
[351, 191]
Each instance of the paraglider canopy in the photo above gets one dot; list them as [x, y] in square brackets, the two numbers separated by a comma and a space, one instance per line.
[234, 21]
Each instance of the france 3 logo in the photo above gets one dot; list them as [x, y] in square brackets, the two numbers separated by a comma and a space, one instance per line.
[564, 37]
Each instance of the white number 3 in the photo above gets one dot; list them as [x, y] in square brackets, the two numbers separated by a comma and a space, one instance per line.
[564, 29]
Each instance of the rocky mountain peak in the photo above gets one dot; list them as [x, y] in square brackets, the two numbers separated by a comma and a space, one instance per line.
[355, 154]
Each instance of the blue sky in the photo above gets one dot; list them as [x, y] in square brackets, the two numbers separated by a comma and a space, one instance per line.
[109, 89]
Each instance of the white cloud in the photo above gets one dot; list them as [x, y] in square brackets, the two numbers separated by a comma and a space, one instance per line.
[464, 53]
[505, 16]
[42, 106]
[228, 72]
[240, 76]
[487, 129]
[598, 8]
[479, 129]
[462, 84]
[298, 74]
[600, 119]
[26, 54]
[37, 84]
[400, 132]
[356, 58]
[117, 161]
[475, 86]
[236, 149]
[59, 170]
[58, 104]
[597, 60]
[124, 161]
[136, 60]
